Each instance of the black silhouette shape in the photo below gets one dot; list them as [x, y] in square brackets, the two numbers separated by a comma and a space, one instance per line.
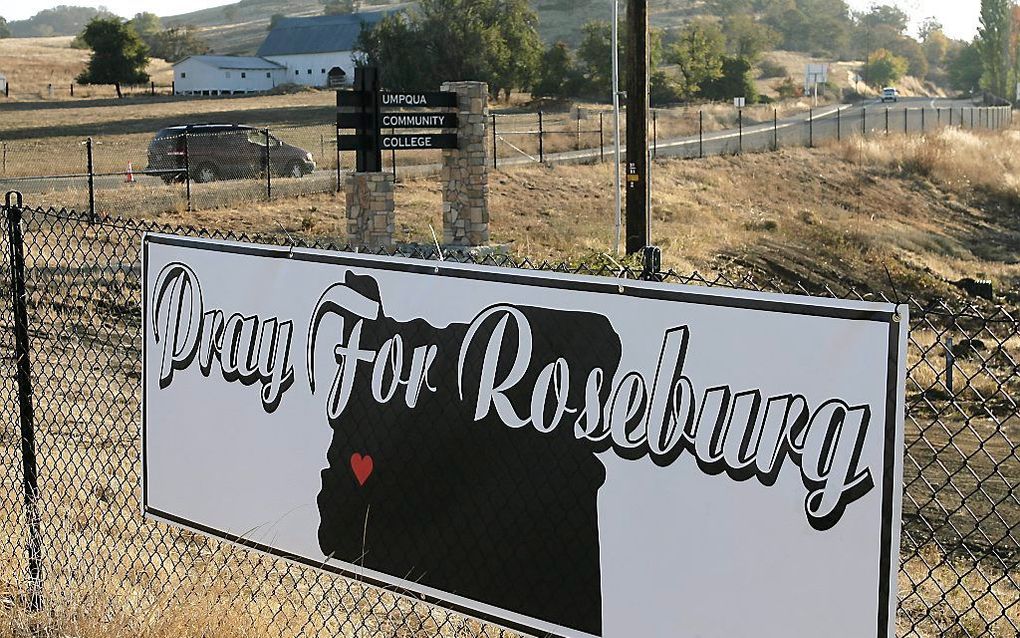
[498, 515]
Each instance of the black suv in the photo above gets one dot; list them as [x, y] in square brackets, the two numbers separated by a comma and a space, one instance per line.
[223, 151]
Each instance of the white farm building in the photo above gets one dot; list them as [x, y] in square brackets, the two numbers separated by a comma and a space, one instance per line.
[225, 75]
[315, 51]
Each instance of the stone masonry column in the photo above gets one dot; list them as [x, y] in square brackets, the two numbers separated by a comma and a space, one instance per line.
[370, 213]
[466, 169]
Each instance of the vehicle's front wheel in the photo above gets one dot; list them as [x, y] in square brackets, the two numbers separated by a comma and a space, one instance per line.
[206, 173]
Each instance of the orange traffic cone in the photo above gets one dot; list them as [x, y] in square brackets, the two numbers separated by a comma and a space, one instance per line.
[130, 176]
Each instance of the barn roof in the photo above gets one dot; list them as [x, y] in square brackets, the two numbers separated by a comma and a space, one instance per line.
[235, 62]
[319, 34]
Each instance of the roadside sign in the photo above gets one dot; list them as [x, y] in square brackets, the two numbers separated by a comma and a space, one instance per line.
[739, 102]
[398, 142]
[361, 110]
[430, 99]
[399, 120]
[585, 457]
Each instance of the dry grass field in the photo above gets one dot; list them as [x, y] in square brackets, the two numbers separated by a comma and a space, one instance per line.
[32, 64]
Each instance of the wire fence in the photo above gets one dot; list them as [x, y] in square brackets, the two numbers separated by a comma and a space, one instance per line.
[127, 174]
[91, 556]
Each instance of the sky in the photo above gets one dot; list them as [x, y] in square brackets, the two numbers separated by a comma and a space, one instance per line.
[959, 17]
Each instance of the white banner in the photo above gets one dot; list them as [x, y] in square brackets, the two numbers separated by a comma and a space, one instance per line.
[554, 453]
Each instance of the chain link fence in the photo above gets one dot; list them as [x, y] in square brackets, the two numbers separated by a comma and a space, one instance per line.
[135, 175]
[93, 561]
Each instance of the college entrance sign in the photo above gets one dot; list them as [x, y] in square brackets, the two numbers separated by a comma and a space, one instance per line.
[573, 455]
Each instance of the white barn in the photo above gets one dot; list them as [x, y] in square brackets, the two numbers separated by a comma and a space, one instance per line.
[226, 75]
[317, 51]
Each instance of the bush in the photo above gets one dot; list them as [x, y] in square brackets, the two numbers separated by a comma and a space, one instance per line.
[788, 88]
[768, 69]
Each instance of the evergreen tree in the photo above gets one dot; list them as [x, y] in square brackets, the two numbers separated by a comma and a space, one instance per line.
[118, 55]
[993, 44]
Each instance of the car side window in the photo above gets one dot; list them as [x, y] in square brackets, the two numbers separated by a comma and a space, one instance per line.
[257, 137]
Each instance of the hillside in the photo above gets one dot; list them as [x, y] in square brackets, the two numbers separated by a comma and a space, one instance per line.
[240, 27]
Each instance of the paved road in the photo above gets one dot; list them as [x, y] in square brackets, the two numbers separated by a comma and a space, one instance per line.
[825, 123]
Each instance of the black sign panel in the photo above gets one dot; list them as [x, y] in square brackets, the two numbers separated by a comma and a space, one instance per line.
[400, 142]
[423, 99]
[398, 120]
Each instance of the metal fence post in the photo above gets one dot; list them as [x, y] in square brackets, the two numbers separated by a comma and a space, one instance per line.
[494, 165]
[187, 170]
[602, 144]
[906, 120]
[839, 125]
[740, 130]
[864, 121]
[90, 165]
[268, 167]
[950, 116]
[541, 139]
[938, 116]
[811, 128]
[775, 129]
[30, 475]
[922, 120]
[701, 133]
[655, 134]
[577, 144]
[887, 120]
[339, 172]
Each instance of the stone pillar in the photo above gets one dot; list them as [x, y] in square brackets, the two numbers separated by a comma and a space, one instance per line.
[466, 169]
[370, 213]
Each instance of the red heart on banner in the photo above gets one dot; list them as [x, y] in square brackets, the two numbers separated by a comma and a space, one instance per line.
[362, 467]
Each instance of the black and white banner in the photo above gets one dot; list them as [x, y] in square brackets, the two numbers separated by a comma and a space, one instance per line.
[574, 455]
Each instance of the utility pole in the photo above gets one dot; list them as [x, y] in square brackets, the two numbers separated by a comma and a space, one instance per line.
[638, 188]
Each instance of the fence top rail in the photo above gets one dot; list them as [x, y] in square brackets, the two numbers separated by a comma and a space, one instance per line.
[989, 313]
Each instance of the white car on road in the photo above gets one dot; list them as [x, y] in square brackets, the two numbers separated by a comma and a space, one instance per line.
[889, 94]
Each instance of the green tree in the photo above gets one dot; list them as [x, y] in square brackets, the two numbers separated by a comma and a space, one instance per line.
[928, 27]
[814, 26]
[558, 74]
[965, 67]
[993, 43]
[936, 48]
[908, 49]
[884, 67]
[177, 43]
[747, 38]
[735, 81]
[698, 54]
[5, 31]
[146, 24]
[596, 53]
[494, 41]
[884, 15]
[118, 55]
[514, 46]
